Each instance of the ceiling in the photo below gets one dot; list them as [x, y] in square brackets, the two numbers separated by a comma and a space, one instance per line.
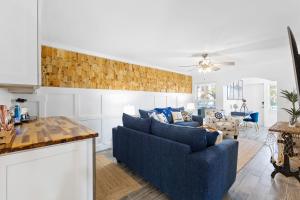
[165, 33]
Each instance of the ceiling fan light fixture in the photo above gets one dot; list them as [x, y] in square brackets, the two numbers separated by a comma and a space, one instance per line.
[208, 69]
[206, 65]
[204, 70]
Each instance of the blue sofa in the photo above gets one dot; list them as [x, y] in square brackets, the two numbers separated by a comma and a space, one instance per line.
[182, 162]
[196, 120]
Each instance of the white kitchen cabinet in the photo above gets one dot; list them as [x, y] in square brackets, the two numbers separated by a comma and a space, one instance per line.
[19, 42]
[58, 172]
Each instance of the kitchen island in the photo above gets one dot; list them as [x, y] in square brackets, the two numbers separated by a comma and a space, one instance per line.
[51, 158]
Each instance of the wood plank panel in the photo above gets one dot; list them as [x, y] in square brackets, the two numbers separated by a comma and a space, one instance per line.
[62, 68]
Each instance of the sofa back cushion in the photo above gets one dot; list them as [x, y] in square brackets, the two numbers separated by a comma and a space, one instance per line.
[178, 109]
[136, 123]
[194, 137]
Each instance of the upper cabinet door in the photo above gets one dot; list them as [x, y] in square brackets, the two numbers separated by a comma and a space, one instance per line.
[19, 42]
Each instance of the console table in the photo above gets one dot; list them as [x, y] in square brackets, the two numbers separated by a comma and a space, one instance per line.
[240, 114]
[285, 139]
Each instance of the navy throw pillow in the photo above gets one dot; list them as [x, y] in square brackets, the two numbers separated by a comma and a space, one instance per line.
[136, 123]
[178, 109]
[145, 113]
[167, 112]
[211, 138]
[194, 137]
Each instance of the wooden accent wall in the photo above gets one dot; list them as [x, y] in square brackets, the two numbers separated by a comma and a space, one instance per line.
[62, 68]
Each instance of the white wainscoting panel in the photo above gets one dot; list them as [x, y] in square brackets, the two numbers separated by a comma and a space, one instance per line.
[100, 110]
[160, 100]
[172, 100]
[60, 105]
[113, 104]
[89, 105]
[108, 124]
[182, 100]
[94, 124]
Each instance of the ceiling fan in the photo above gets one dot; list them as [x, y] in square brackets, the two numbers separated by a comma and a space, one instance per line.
[205, 64]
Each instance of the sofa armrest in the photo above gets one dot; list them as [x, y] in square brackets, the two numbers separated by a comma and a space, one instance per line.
[214, 169]
[198, 118]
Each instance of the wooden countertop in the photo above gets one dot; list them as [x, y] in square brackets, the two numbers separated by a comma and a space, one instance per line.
[47, 131]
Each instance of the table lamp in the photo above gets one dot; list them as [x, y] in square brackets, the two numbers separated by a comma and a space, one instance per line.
[190, 107]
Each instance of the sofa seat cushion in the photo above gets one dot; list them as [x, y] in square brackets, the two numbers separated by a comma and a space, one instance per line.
[136, 123]
[190, 124]
[194, 137]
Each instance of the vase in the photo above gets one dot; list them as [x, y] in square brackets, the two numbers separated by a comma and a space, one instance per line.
[292, 121]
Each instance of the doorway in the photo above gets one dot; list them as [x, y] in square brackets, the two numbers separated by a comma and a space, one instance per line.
[254, 94]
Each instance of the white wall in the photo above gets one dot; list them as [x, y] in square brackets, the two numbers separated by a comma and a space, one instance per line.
[275, 65]
[5, 97]
[252, 87]
[255, 95]
[100, 110]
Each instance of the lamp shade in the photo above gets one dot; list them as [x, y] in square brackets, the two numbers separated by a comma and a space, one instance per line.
[190, 107]
[129, 109]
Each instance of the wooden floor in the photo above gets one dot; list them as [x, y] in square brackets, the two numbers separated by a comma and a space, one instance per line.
[253, 181]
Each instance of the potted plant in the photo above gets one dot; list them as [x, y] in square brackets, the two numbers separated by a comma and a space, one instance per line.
[293, 112]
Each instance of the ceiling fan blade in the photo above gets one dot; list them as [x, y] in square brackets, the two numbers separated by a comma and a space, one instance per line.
[229, 63]
[197, 54]
[188, 66]
[215, 69]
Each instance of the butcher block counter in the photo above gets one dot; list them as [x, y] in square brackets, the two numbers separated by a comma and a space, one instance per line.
[46, 131]
[50, 158]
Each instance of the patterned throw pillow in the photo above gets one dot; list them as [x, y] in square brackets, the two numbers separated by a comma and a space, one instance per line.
[177, 117]
[187, 117]
[166, 111]
[162, 118]
[218, 115]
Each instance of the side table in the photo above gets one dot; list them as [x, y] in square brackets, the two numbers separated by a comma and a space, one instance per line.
[286, 134]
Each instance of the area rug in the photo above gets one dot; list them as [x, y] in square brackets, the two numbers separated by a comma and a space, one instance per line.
[247, 150]
[115, 182]
[112, 180]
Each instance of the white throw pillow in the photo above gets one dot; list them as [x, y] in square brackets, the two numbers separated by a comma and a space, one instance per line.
[177, 117]
[162, 118]
[154, 116]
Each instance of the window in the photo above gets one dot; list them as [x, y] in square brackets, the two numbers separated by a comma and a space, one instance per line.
[206, 95]
[235, 90]
[273, 97]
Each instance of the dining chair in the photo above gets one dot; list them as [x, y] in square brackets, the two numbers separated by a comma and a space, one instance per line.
[253, 119]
